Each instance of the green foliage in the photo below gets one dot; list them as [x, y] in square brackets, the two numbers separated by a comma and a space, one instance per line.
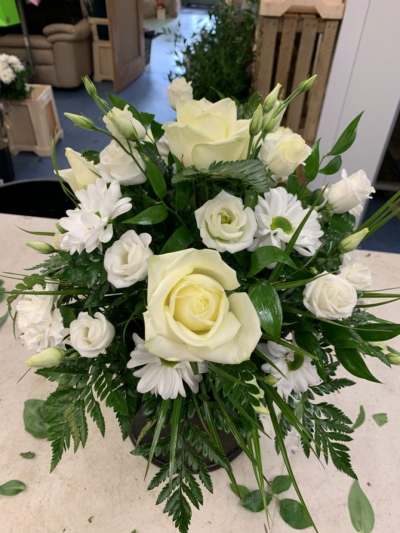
[11, 488]
[281, 484]
[360, 419]
[150, 216]
[34, 419]
[294, 514]
[380, 418]
[27, 455]
[268, 306]
[361, 512]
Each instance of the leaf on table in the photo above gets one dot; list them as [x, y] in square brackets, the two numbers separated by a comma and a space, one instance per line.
[90, 520]
[294, 514]
[34, 419]
[380, 418]
[361, 512]
[11, 488]
[27, 455]
[360, 419]
[281, 484]
[242, 492]
[254, 501]
[3, 319]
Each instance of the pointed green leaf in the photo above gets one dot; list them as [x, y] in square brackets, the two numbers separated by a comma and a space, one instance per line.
[354, 363]
[152, 215]
[156, 179]
[268, 306]
[347, 138]
[241, 491]
[294, 514]
[333, 166]
[254, 502]
[266, 255]
[182, 194]
[27, 455]
[380, 418]
[360, 419]
[3, 318]
[380, 331]
[311, 164]
[361, 512]
[179, 240]
[156, 130]
[160, 422]
[11, 488]
[281, 484]
[34, 419]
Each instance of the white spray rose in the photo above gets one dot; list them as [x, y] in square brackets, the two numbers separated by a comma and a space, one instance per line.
[355, 272]
[126, 260]
[283, 151]
[91, 336]
[117, 165]
[206, 132]
[179, 90]
[122, 124]
[82, 172]
[350, 193]
[330, 296]
[225, 224]
[189, 315]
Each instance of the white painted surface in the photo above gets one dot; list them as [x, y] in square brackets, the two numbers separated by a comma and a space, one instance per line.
[105, 482]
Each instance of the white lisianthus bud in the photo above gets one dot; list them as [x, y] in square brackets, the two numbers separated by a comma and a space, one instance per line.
[350, 193]
[122, 124]
[56, 240]
[91, 336]
[41, 247]
[82, 172]
[271, 380]
[271, 98]
[179, 90]
[350, 243]
[307, 84]
[81, 121]
[48, 358]
[381, 345]
[256, 121]
[330, 296]
[394, 359]
[89, 86]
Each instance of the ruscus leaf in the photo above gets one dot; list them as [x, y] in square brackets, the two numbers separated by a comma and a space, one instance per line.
[11, 488]
[360, 419]
[281, 484]
[294, 514]
[179, 240]
[347, 138]
[268, 306]
[266, 255]
[152, 215]
[361, 512]
[34, 419]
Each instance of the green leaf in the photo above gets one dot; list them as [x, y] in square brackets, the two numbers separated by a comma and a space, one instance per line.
[34, 419]
[156, 179]
[294, 514]
[311, 164]
[347, 138]
[160, 422]
[242, 492]
[254, 502]
[11, 488]
[281, 484]
[360, 419]
[27, 455]
[268, 306]
[266, 255]
[68, 315]
[354, 363]
[156, 130]
[361, 512]
[342, 223]
[250, 199]
[90, 520]
[381, 331]
[152, 215]
[3, 318]
[182, 194]
[175, 425]
[91, 155]
[179, 240]
[380, 418]
[333, 166]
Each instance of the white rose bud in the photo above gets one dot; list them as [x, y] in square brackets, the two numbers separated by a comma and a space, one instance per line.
[82, 172]
[48, 358]
[117, 165]
[122, 125]
[41, 247]
[330, 296]
[350, 193]
[179, 90]
[126, 260]
[283, 151]
[81, 121]
[350, 243]
[91, 336]
[225, 224]
[355, 272]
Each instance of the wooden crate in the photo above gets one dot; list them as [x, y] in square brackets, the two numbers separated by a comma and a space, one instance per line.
[327, 9]
[288, 50]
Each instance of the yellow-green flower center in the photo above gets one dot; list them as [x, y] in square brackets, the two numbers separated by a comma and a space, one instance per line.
[283, 224]
[296, 363]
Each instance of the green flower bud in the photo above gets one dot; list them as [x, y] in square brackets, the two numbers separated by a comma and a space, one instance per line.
[60, 228]
[41, 247]
[351, 242]
[124, 127]
[48, 358]
[306, 85]
[269, 124]
[261, 409]
[271, 98]
[89, 86]
[256, 122]
[80, 121]
[394, 359]
[270, 380]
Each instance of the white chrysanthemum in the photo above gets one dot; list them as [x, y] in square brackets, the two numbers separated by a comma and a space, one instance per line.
[39, 321]
[278, 215]
[88, 226]
[7, 75]
[159, 377]
[15, 63]
[300, 373]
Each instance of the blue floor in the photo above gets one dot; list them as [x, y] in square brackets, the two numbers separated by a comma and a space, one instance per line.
[387, 238]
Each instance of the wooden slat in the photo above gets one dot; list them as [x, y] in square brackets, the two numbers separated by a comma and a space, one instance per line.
[265, 56]
[302, 70]
[286, 51]
[317, 93]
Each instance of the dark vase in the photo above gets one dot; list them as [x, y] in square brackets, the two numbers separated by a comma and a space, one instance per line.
[229, 444]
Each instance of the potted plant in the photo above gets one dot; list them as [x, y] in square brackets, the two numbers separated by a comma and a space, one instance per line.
[30, 110]
[161, 10]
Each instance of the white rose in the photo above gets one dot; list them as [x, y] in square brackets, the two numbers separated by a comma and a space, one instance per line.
[126, 260]
[82, 172]
[179, 90]
[122, 124]
[283, 151]
[355, 272]
[117, 165]
[91, 336]
[350, 193]
[39, 321]
[225, 224]
[206, 132]
[330, 296]
[189, 315]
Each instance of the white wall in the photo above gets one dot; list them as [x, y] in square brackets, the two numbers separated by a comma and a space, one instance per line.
[365, 76]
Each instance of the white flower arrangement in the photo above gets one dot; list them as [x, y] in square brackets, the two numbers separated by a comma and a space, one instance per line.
[13, 78]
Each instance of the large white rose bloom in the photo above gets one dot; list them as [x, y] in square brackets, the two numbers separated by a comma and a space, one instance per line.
[122, 124]
[38, 320]
[117, 165]
[206, 132]
[225, 224]
[350, 193]
[179, 90]
[299, 371]
[88, 226]
[278, 216]
[158, 377]
[82, 172]
[189, 315]
[355, 272]
[126, 260]
[330, 296]
[283, 151]
[91, 336]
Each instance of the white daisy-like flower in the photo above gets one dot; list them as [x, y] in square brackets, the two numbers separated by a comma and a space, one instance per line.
[88, 226]
[39, 321]
[160, 377]
[7, 75]
[300, 373]
[278, 215]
